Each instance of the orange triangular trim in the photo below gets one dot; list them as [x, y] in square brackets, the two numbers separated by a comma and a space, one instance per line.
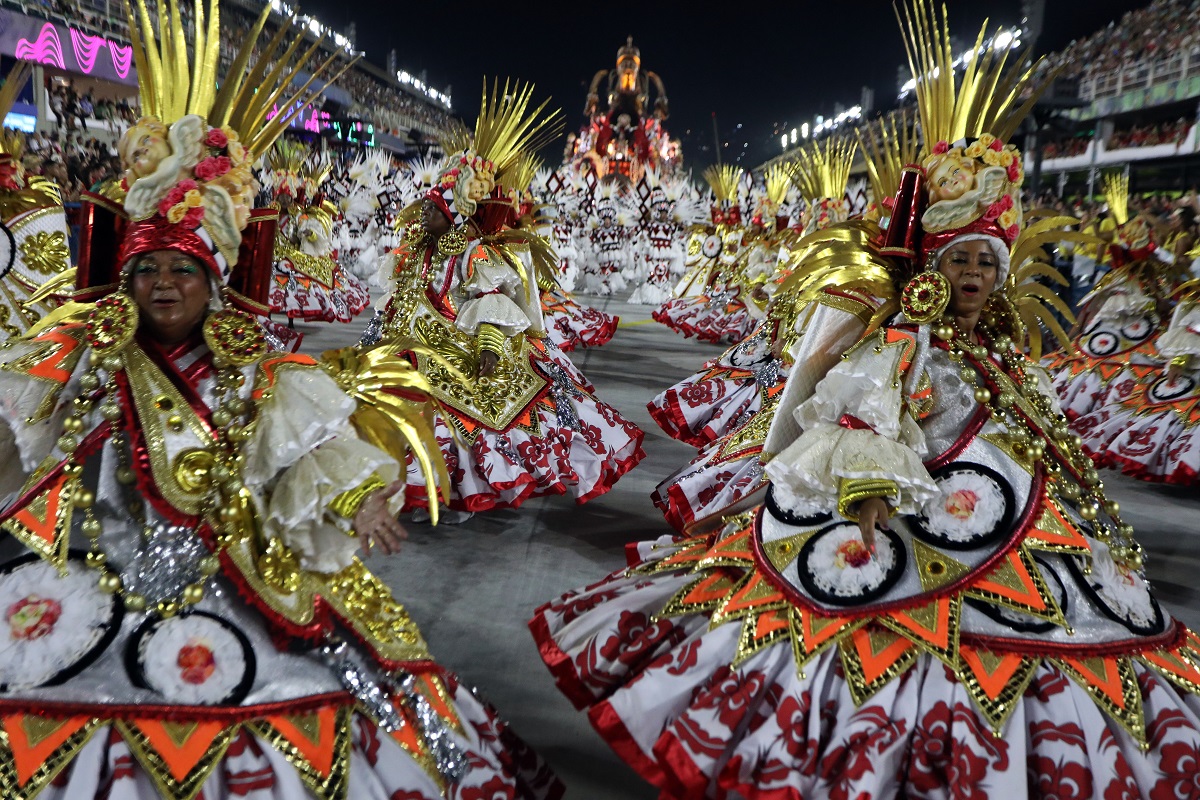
[406, 735]
[1012, 580]
[992, 683]
[181, 757]
[1107, 370]
[713, 586]
[1175, 663]
[939, 636]
[319, 752]
[736, 548]
[769, 622]
[876, 664]
[817, 630]
[755, 593]
[1103, 674]
[1053, 528]
[29, 755]
[690, 554]
[44, 527]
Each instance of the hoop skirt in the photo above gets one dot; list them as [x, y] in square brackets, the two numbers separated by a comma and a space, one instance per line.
[990, 645]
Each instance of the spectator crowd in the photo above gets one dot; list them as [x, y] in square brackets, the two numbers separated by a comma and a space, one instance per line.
[1163, 27]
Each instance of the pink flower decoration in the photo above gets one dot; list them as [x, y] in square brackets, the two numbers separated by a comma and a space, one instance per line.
[193, 218]
[1012, 231]
[216, 138]
[185, 186]
[1014, 171]
[1005, 203]
[996, 145]
[224, 164]
[206, 170]
[993, 212]
[940, 148]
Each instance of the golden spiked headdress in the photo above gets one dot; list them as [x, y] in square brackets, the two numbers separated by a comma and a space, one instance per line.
[188, 161]
[1116, 194]
[724, 180]
[821, 171]
[888, 148]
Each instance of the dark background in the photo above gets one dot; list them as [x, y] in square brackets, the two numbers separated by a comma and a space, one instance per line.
[759, 67]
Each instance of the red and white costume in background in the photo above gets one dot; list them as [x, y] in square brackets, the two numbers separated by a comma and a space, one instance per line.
[532, 429]
[607, 263]
[1153, 431]
[660, 250]
[571, 325]
[718, 315]
[1120, 323]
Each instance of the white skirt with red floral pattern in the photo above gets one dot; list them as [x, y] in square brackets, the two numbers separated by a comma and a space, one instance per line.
[300, 296]
[571, 325]
[1148, 427]
[503, 469]
[662, 692]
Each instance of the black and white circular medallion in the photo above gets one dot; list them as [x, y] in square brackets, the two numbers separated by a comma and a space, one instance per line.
[712, 246]
[1101, 343]
[974, 508]
[836, 568]
[8, 250]
[195, 658]
[1165, 390]
[802, 517]
[1139, 329]
[1120, 594]
[52, 626]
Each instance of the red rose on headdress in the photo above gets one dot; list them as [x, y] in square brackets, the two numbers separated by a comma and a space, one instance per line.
[193, 217]
[216, 138]
[173, 197]
[940, 148]
[996, 145]
[993, 212]
[1012, 231]
[8, 174]
[213, 167]
[1014, 171]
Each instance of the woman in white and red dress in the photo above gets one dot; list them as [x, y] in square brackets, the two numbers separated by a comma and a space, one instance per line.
[184, 613]
[516, 418]
[936, 599]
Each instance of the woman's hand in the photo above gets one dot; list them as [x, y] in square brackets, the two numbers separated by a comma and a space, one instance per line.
[375, 524]
[871, 512]
[487, 363]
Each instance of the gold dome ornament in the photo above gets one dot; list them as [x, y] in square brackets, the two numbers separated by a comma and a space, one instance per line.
[111, 324]
[925, 297]
[234, 337]
[452, 243]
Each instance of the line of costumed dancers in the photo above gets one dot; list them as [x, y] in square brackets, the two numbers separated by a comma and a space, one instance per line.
[895, 571]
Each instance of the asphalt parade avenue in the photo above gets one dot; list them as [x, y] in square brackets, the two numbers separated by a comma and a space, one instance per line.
[472, 587]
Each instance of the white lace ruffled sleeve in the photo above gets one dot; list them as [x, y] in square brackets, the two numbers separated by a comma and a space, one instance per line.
[303, 455]
[1182, 338]
[855, 427]
[492, 294]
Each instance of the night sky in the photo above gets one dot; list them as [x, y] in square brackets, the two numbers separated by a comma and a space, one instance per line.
[783, 62]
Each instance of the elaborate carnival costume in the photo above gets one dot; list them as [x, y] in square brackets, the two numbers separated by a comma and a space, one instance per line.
[998, 640]
[1120, 320]
[188, 616]
[308, 282]
[717, 314]
[369, 195]
[607, 265]
[753, 375]
[1150, 431]
[35, 249]
[531, 427]
[659, 248]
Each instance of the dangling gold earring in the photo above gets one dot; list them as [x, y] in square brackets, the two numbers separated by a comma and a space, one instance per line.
[233, 336]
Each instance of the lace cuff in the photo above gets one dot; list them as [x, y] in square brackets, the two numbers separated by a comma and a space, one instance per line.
[817, 465]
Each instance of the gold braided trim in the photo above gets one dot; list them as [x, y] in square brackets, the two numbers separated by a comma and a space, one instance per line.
[347, 504]
[489, 337]
[852, 491]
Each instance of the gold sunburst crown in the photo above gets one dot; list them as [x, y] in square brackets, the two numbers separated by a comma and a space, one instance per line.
[519, 176]
[178, 77]
[777, 182]
[888, 148]
[989, 96]
[1116, 194]
[507, 126]
[724, 180]
[822, 169]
